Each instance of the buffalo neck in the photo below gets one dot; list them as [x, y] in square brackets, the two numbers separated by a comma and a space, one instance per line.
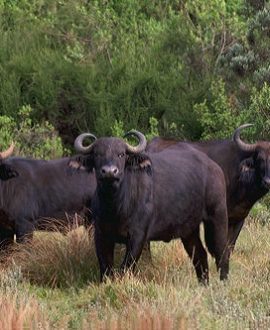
[107, 196]
[120, 201]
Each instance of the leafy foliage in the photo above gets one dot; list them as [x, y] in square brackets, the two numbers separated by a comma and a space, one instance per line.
[107, 67]
[217, 114]
[84, 65]
[39, 140]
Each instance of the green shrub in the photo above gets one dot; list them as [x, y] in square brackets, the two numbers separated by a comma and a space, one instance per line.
[118, 129]
[36, 140]
[85, 65]
[259, 111]
[217, 116]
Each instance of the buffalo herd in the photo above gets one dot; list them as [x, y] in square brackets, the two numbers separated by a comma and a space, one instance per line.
[156, 191]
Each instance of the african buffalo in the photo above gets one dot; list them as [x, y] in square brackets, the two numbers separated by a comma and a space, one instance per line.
[246, 168]
[31, 191]
[146, 197]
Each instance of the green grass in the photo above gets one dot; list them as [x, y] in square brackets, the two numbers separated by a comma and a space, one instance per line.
[162, 295]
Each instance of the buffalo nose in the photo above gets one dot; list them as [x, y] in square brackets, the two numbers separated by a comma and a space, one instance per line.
[266, 182]
[109, 171]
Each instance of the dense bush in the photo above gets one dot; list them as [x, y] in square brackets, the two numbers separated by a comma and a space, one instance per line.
[84, 65]
[244, 66]
[198, 69]
[37, 140]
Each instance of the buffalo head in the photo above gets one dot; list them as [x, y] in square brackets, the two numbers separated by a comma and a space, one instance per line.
[110, 156]
[257, 166]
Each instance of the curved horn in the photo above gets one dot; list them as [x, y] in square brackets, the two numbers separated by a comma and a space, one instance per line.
[142, 142]
[8, 152]
[242, 145]
[78, 143]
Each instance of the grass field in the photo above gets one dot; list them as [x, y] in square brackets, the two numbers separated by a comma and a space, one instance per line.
[53, 283]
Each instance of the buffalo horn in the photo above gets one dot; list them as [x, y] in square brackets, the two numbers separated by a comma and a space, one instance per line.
[242, 145]
[78, 143]
[142, 142]
[8, 152]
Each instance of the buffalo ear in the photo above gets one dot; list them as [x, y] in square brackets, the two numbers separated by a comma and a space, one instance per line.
[7, 172]
[247, 170]
[81, 162]
[139, 162]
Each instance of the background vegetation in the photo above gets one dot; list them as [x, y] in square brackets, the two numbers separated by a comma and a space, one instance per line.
[198, 69]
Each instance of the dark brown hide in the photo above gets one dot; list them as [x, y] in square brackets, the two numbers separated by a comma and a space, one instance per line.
[159, 196]
[247, 175]
[34, 192]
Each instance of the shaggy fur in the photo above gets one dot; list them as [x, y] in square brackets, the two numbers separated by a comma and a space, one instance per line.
[247, 175]
[144, 197]
[33, 190]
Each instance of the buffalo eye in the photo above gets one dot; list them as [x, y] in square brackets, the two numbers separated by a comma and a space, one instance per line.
[121, 155]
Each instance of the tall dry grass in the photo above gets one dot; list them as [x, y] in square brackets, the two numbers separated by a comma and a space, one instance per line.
[18, 313]
[57, 276]
[136, 319]
[61, 258]
[21, 315]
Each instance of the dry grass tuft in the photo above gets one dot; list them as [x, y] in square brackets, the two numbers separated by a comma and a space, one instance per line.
[59, 259]
[166, 259]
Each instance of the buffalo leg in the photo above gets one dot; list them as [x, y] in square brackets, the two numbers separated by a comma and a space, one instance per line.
[234, 231]
[6, 238]
[105, 254]
[220, 248]
[134, 249]
[222, 259]
[198, 255]
[216, 242]
[24, 231]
